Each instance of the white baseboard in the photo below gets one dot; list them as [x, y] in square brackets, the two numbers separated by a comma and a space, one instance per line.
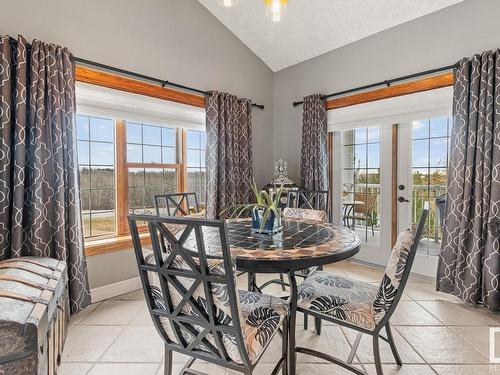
[112, 290]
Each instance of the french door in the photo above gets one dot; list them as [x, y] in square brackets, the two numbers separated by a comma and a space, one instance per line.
[389, 157]
[422, 177]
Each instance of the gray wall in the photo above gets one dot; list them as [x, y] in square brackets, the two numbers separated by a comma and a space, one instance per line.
[178, 40]
[438, 39]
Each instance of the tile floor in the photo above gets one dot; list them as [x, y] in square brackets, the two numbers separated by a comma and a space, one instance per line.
[435, 333]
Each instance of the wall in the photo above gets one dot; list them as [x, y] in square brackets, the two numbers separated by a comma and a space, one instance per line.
[438, 39]
[178, 40]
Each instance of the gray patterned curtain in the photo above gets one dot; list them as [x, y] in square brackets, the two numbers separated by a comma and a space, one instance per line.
[314, 158]
[229, 152]
[469, 263]
[40, 211]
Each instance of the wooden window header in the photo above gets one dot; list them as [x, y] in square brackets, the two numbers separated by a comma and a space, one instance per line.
[400, 89]
[119, 82]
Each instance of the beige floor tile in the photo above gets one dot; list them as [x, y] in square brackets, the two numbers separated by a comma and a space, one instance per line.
[466, 369]
[208, 368]
[143, 318]
[490, 315]
[403, 370]
[77, 318]
[113, 313]
[441, 345]
[477, 336]
[88, 343]
[72, 368]
[363, 273]
[365, 349]
[456, 313]
[412, 314]
[322, 369]
[136, 295]
[331, 341]
[136, 344]
[427, 292]
[124, 369]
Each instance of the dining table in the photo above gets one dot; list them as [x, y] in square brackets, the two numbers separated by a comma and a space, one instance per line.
[301, 244]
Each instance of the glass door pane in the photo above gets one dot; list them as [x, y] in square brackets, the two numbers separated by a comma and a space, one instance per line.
[361, 155]
[429, 160]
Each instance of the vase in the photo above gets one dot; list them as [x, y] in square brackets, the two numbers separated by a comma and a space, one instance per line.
[272, 225]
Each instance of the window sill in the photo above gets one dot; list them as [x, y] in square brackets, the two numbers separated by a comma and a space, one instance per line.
[109, 245]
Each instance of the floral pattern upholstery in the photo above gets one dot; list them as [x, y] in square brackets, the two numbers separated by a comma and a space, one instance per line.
[339, 298]
[393, 274]
[356, 302]
[260, 315]
[304, 214]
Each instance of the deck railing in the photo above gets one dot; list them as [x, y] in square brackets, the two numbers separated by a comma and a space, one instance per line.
[420, 194]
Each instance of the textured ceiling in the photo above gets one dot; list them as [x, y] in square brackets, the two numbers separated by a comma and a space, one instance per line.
[313, 27]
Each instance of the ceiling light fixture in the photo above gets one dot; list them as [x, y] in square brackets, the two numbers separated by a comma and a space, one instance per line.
[275, 9]
[228, 3]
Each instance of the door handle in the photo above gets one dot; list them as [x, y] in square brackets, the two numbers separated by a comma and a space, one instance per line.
[402, 199]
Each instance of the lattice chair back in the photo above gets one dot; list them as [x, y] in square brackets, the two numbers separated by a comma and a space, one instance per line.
[398, 270]
[309, 199]
[177, 204]
[190, 294]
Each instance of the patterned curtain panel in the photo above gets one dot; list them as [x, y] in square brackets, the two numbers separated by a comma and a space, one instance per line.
[469, 263]
[229, 152]
[40, 212]
[314, 158]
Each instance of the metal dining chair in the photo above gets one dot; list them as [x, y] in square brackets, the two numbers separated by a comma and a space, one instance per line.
[193, 300]
[177, 204]
[309, 199]
[361, 306]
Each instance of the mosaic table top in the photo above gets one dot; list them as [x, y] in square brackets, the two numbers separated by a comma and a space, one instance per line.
[300, 239]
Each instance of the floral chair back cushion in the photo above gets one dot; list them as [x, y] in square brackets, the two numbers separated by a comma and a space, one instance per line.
[304, 214]
[393, 274]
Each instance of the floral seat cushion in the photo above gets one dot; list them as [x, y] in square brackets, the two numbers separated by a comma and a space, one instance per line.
[260, 315]
[339, 298]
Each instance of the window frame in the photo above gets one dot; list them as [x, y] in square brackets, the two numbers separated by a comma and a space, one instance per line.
[121, 239]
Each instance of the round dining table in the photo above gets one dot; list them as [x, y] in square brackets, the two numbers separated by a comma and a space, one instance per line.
[301, 244]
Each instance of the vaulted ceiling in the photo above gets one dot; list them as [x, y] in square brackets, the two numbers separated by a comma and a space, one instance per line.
[313, 27]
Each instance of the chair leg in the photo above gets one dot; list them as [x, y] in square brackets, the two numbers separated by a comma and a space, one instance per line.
[376, 355]
[392, 343]
[168, 361]
[284, 348]
[317, 325]
[282, 279]
[250, 282]
[306, 321]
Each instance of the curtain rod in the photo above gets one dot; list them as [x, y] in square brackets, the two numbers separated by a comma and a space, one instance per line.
[143, 77]
[385, 83]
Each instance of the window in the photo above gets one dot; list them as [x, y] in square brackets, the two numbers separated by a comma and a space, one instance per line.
[148, 162]
[152, 148]
[96, 156]
[196, 142]
[430, 138]
[361, 181]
